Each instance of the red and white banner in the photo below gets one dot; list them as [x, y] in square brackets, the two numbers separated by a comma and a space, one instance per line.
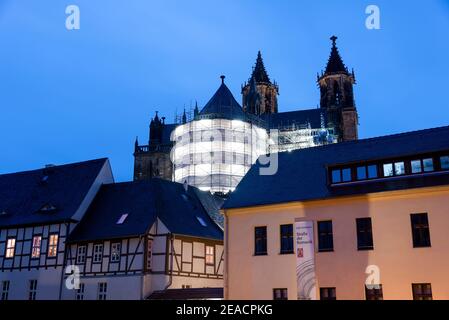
[305, 260]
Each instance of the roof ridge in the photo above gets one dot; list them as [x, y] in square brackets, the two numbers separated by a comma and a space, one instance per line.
[65, 165]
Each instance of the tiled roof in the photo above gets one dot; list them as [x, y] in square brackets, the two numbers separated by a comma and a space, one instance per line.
[143, 202]
[59, 189]
[302, 174]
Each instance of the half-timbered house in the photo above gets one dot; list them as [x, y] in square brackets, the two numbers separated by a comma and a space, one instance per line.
[146, 237]
[38, 210]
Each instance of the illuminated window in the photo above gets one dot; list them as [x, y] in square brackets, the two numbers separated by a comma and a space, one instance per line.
[399, 168]
[388, 170]
[416, 166]
[5, 290]
[280, 294]
[98, 253]
[32, 290]
[53, 245]
[81, 255]
[346, 174]
[428, 165]
[36, 250]
[210, 255]
[374, 292]
[361, 173]
[102, 290]
[422, 291]
[10, 248]
[444, 162]
[336, 176]
[328, 294]
[115, 252]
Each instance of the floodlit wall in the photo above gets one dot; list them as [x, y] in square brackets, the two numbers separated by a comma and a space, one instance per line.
[215, 154]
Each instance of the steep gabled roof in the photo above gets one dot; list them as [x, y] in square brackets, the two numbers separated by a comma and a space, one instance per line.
[300, 117]
[26, 197]
[144, 202]
[259, 72]
[223, 104]
[302, 174]
[335, 63]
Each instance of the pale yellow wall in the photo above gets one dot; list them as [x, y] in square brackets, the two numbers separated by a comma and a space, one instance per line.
[251, 277]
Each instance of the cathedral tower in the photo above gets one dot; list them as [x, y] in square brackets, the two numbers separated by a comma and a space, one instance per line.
[259, 94]
[337, 96]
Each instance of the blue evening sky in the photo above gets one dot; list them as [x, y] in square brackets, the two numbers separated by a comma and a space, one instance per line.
[69, 96]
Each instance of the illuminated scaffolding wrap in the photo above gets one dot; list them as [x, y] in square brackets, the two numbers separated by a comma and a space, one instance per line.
[215, 154]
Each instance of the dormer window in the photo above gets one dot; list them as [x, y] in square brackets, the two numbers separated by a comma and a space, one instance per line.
[47, 208]
[122, 218]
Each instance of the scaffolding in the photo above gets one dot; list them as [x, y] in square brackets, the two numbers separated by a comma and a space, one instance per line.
[215, 154]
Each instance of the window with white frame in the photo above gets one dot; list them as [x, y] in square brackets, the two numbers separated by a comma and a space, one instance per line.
[36, 249]
[115, 252]
[32, 290]
[80, 292]
[210, 255]
[10, 248]
[98, 253]
[102, 290]
[5, 290]
[53, 245]
[81, 254]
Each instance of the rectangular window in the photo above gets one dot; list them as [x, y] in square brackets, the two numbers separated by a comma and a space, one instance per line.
[149, 253]
[374, 292]
[36, 249]
[80, 292]
[5, 290]
[32, 290]
[115, 252]
[346, 175]
[399, 168]
[98, 253]
[325, 236]
[364, 234]
[388, 170]
[328, 294]
[420, 230]
[260, 238]
[102, 290]
[361, 173]
[10, 248]
[210, 255]
[336, 176]
[280, 294]
[416, 166]
[422, 291]
[81, 255]
[372, 172]
[428, 165]
[287, 239]
[444, 163]
[53, 246]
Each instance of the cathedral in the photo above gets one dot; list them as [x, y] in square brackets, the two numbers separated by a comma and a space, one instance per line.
[189, 151]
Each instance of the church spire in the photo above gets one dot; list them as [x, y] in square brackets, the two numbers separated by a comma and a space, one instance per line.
[259, 72]
[335, 63]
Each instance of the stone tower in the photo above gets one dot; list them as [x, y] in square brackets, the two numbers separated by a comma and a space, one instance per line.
[153, 160]
[260, 94]
[337, 96]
